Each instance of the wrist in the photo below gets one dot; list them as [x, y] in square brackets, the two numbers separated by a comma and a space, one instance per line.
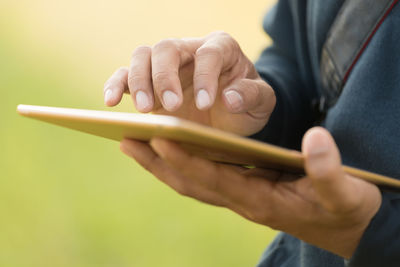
[345, 242]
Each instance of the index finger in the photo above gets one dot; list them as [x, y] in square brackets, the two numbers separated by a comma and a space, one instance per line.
[115, 86]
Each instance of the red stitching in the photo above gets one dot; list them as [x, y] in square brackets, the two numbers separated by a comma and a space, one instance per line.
[346, 76]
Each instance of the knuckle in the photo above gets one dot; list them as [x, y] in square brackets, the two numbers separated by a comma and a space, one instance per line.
[338, 209]
[226, 38]
[329, 172]
[250, 87]
[228, 44]
[201, 75]
[121, 70]
[115, 77]
[162, 76]
[265, 90]
[166, 44]
[162, 80]
[143, 49]
[220, 34]
[210, 50]
[134, 78]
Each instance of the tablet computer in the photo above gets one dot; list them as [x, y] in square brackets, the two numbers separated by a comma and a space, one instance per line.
[200, 140]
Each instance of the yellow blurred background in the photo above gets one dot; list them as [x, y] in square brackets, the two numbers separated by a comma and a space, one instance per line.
[70, 199]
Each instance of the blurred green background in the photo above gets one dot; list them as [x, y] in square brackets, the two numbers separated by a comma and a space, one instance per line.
[70, 199]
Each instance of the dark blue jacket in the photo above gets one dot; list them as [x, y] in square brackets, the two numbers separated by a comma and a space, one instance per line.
[365, 119]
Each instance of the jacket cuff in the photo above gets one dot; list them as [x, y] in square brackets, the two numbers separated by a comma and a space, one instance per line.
[380, 243]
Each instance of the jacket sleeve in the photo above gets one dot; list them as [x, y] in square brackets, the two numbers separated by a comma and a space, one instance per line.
[286, 67]
[380, 244]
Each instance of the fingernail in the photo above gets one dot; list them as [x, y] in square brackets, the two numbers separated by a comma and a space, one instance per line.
[318, 159]
[142, 100]
[170, 100]
[318, 145]
[234, 99]
[203, 99]
[107, 96]
[318, 151]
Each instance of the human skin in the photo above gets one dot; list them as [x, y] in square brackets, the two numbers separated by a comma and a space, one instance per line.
[163, 79]
[327, 207]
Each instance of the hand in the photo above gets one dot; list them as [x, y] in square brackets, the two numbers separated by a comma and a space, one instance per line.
[208, 80]
[326, 208]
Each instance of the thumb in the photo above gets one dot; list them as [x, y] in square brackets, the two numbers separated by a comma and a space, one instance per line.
[323, 166]
[253, 96]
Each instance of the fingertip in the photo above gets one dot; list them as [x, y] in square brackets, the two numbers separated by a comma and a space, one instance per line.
[323, 166]
[316, 141]
[203, 100]
[107, 97]
[322, 157]
[109, 104]
[233, 100]
[159, 145]
[115, 87]
[123, 148]
[159, 141]
[132, 148]
[171, 101]
[124, 145]
[166, 146]
[169, 150]
[143, 102]
[250, 96]
[111, 98]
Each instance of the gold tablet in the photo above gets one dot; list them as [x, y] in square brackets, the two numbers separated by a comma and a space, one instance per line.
[198, 139]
